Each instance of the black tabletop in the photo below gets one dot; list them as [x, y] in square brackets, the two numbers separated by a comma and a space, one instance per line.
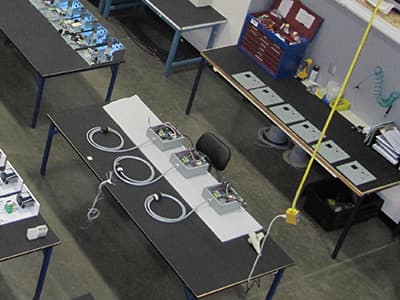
[38, 41]
[230, 60]
[14, 242]
[199, 258]
[184, 14]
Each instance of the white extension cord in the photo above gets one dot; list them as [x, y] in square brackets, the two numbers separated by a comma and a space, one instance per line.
[116, 149]
[119, 171]
[93, 212]
[117, 168]
[157, 197]
[261, 249]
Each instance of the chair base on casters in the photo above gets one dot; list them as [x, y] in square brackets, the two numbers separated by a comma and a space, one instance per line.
[273, 137]
[296, 157]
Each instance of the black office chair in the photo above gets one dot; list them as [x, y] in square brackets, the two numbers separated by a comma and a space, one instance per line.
[216, 151]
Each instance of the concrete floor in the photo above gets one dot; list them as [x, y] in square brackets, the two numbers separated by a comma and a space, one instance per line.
[112, 259]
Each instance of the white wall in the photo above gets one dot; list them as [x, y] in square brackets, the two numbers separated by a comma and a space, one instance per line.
[259, 5]
[336, 42]
[235, 11]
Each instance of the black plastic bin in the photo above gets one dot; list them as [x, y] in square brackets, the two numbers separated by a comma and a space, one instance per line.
[330, 202]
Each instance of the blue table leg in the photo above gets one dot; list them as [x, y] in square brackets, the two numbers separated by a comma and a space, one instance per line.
[46, 153]
[188, 294]
[195, 86]
[396, 231]
[101, 6]
[172, 52]
[40, 81]
[213, 34]
[42, 276]
[141, 6]
[106, 8]
[275, 284]
[114, 74]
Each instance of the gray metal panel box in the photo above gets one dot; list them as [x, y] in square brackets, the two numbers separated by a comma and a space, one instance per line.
[220, 203]
[248, 80]
[165, 136]
[332, 152]
[266, 96]
[183, 161]
[356, 173]
[287, 113]
[307, 131]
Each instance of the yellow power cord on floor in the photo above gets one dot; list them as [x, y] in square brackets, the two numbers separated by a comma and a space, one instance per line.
[292, 213]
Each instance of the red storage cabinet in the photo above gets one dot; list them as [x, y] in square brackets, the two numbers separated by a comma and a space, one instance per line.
[275, 50]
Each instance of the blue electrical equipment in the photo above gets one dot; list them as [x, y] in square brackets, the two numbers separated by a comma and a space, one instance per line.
[81, 30]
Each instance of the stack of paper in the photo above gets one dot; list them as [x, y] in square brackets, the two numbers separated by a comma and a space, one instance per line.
[388, 144]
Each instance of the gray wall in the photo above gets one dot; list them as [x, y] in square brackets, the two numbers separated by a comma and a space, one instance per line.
[336, 42]
[228, 34]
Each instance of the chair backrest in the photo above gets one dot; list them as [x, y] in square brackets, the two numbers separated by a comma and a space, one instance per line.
[216, 150]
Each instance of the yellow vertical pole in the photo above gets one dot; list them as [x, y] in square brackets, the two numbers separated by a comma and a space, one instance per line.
[292, 213]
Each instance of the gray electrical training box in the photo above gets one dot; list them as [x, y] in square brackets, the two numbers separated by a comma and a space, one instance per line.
[165, 136]
[220, 200]
[189, 163]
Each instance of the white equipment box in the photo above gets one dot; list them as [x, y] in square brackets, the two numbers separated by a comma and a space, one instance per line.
[16, 200]
[18, 207]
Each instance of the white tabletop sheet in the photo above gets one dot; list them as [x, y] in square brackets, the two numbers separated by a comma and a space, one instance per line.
[131, 114]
